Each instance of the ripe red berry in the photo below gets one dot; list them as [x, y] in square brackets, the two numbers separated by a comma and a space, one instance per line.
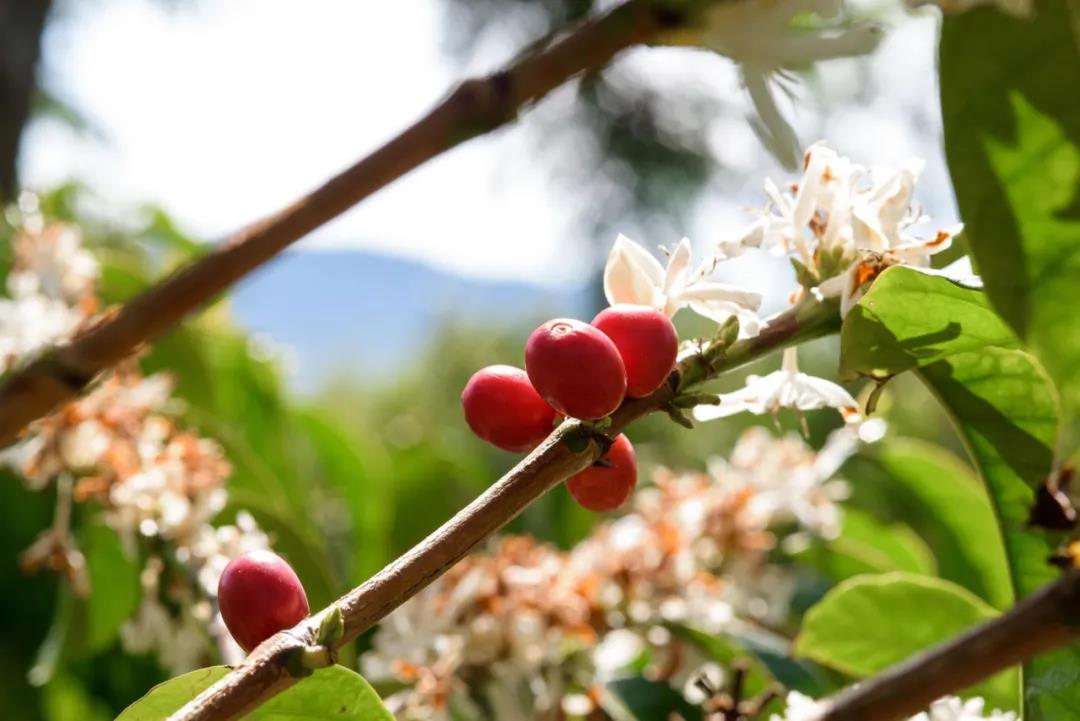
[575, 368]
[605, 488]
[259, 595]
[647, 342]
[502, 407]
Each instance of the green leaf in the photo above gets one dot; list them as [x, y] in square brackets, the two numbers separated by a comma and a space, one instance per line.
[766, 660]
[56, 641]
[1006, 410]
[908, 319]
[999, 397]
[165, 698]
[114, 587]
[358, 469]
[774, 653]
[638, 699]
[1012, 136]
[953, 513]
[869, 623]
[867, 545]
[330, 693]
[66, 697]
[725, 650]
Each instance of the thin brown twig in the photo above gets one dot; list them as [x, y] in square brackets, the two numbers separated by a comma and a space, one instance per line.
[265, 672]
[473, 108]
[1044, 621]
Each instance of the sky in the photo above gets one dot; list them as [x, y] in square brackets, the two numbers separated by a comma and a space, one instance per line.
[222, 112]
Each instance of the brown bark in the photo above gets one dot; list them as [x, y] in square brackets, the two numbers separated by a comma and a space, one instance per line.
[21, 25]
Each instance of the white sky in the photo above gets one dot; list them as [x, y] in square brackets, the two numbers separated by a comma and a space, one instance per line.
[224, 111]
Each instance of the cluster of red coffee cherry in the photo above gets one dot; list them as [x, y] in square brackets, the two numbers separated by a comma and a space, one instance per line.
[572, 369]
[580, 371]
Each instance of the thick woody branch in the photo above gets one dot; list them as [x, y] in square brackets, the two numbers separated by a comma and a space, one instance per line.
[265, 672]
[475, 107]
[1043, 622]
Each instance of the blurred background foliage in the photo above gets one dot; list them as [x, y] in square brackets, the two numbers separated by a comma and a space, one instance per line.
[349, 478]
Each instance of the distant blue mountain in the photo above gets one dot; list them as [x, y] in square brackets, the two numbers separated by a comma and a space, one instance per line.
[362, 309]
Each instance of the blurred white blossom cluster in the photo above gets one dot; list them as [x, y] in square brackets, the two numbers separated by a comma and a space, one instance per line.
[159, 486]
[50, 288]
[531, 632]
[949, 708]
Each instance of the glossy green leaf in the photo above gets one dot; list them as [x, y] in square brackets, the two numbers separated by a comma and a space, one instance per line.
[954, 513]
[1012, 136]
[869, 623]
[999, 397]
[867, 545]
[165, 698]
[331, 693]
[908, 319]
[1005, 408]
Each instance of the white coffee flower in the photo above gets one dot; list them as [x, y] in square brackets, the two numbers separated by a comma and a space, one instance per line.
[54, 264]
[31, 323]
[843, 223]
[800, 708]
[785, 388]
[952, 708]
[949, 708]
[765, 39]
[616, 651]
[633, 275]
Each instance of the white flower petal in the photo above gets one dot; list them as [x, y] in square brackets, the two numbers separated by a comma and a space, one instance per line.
[728, 407]
[959, 271]
[707, 292]
[632, 274]
[785, 388]
[678, 270]
[752, 238]
[801, 708]
[918, 252]
[817, 393]
[770, 125]
[749, 323]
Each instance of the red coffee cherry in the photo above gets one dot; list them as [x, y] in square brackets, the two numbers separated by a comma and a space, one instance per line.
[502, 407]
[647, 342]
[259, 595]
[605, 488]
[575, 368]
